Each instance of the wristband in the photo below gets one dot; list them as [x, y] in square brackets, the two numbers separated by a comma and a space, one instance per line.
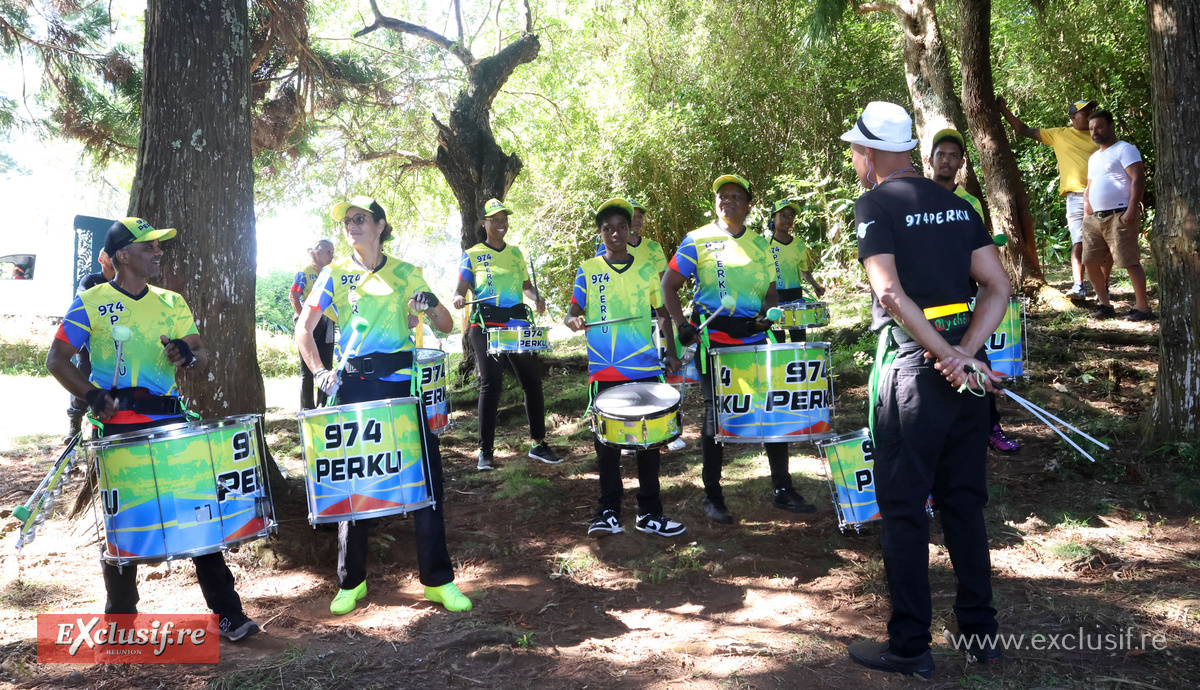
[184, 351]
[95, 400]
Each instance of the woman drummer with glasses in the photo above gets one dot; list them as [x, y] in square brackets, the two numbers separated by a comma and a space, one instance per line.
[383, 292]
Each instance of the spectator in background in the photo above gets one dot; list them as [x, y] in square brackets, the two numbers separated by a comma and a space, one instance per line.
[79, 406]
[1072, 147]
[321, 255]
[1112, 216]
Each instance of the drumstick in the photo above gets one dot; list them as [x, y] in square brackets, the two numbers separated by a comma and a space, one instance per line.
[494, 298]
[728, 302]
[120, 334]
[360, 326]
[1033, 410]
[1025, 403]
[773, 314]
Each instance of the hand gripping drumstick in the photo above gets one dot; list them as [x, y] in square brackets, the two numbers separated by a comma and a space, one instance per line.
[493, 298]
[120, 334]
[360, 326]
[728, 302]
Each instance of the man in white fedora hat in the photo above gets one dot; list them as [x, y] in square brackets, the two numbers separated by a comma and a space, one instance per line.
[920, 245]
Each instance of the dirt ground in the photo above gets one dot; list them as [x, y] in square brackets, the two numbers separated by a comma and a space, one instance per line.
[768, 602]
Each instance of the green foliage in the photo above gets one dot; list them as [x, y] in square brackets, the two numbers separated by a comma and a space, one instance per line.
[272, 309]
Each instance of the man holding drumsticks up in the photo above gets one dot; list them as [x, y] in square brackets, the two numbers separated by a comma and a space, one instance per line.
[158, 337]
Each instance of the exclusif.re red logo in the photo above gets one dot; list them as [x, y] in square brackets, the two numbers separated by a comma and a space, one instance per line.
[144, 638]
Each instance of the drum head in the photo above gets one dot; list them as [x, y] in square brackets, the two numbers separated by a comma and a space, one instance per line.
[637, 400]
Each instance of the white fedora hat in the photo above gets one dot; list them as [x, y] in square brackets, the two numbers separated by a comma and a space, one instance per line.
[884, 126]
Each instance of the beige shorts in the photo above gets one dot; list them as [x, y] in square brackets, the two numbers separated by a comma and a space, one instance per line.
[1110, 236]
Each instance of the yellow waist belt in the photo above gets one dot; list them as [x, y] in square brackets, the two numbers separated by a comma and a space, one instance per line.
[944, 310]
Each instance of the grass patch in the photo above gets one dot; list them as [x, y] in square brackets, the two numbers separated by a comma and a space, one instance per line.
[576, 564]
[293, 668]
[518, 486]
[277, 354]
[1069, 550]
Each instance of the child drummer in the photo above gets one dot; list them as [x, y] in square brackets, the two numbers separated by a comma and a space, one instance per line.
[793, 260]
[612, 287]
[162, 340]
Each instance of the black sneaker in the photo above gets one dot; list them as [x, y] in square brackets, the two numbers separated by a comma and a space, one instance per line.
[975, 649]
[1104, 311]
[660, 525]
[607, 522]
[878, 655]
[1137, 315]
[235, 626]
[485, 462]
[717, 512]
[789, 500]
[545, 453]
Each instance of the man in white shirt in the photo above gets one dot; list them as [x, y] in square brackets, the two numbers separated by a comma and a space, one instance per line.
[1112, 215]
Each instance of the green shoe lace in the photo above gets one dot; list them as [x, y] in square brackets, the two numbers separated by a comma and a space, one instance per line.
[448, 595]
[347, 599]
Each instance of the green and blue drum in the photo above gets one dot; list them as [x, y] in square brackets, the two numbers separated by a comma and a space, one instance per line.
[773, 392]
[511, 340]
[182, 490]
[802, 315]
[850, 467]
[364, 460]
[1006, 348]
[435, 388]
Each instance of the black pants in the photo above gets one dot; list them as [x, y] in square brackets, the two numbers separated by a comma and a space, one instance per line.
[429, 524]
[798, 336]
[993, 411]
[931, 439]
[491, 383]
[608, 463]
[714, 453]
[216, 582]
[325, 351]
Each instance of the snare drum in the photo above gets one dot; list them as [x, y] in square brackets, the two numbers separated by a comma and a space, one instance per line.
[1006, 348]
[772, 392]
[637, 415]
[182, 490]
[517, 339]
[435, 388]
[850, 468]
[797, 316]
[364, 460]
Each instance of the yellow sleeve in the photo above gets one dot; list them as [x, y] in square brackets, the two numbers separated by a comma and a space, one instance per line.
[185, 323]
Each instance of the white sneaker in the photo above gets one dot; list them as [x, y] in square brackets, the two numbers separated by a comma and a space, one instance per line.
[677, 444]
[1077, 291]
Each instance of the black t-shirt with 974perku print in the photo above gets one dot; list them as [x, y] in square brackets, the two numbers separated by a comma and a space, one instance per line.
[931, 232]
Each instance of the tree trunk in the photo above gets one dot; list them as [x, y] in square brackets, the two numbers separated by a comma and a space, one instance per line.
[194, 174]
[1005, 191]
[474, 165]
[1175, 65]
[930, 83]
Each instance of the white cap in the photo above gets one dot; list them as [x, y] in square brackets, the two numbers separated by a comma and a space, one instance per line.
[884, 126]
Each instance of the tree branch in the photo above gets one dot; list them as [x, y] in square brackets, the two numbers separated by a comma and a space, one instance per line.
[400, 26]
[415, 160]
[868, 7]
[458, 18]
[528, 29]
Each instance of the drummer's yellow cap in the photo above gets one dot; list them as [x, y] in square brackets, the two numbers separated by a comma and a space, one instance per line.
[785, 203]
[616, 202]
[338, 210]
[494, 206]
[726, 179]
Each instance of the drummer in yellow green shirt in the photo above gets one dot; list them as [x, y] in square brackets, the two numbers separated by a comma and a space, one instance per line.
[792, 259]
[623, 288]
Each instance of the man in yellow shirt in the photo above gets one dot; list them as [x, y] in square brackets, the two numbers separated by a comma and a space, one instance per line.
[1072, 147]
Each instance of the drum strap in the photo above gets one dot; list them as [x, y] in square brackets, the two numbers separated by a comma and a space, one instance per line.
[379, 364]
[795, 294]
[885, 356]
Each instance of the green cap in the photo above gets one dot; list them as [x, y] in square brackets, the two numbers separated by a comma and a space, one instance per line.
[949, 134]
[126, 231]
[494, 206]
[784, 203]
[617, 202]
[726, 179]
[338, 210]
[637, 206]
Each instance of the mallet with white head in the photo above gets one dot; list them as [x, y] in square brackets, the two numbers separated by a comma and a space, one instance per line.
[120, 335]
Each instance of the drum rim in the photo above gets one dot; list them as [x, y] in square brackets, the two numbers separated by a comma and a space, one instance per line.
[515, 328]
[371, 514]
[840, 438]
[667, 411]
[794, 438]
[649, 384]
[169, 432]
[441, 354]
[764, 346]
[365, 405]
[805, 303]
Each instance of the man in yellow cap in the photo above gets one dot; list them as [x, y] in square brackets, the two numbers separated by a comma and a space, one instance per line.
[143, 393]
[1072, 147]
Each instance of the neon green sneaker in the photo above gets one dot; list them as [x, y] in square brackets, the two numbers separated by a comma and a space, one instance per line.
[347, 599]
[448, 595]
